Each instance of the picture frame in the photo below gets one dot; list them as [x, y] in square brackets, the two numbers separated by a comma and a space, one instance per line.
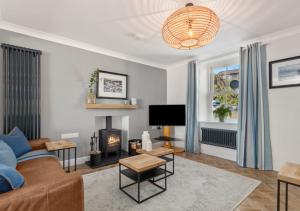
[112, 85]
[284, 73]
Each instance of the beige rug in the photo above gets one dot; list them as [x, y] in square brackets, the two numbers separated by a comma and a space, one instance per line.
[194, 186]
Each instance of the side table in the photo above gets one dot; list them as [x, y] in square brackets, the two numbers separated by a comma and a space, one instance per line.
[63, 145]
[290, 175]
[142, 168]
[161, 152]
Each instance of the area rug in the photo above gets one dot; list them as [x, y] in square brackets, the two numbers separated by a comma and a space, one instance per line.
[194, 186]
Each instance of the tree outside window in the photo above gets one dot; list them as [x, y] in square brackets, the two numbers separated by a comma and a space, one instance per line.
[224, 89]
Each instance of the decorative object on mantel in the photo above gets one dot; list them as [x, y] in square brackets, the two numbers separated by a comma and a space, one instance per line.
[133, 101]
[222, 112]
[284, 73]
[190, 27]
[91, 97]
[125, 102]
[146, 141]
[112, 85]
[110, 106]
[95, 154]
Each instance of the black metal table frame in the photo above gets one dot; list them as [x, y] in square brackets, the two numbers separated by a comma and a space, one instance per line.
[138, 182]
[75, 157]
[170, 173]
[286, 193]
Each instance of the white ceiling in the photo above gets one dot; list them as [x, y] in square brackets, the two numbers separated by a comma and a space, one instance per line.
[132, 27]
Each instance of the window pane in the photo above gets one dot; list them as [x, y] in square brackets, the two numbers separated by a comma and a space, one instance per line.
[225, 88]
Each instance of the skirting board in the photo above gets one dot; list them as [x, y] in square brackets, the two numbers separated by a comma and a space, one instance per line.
[80, 160]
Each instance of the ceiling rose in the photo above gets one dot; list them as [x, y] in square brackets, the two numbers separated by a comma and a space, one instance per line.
[190, 27]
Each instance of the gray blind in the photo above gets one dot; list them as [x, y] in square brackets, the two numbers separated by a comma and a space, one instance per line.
[22, 90]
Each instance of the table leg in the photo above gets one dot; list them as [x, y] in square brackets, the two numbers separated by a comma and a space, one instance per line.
[139, 180]
[75, 158]
[166, 176]
[64, 159]
[278, 195]
[120, 176]
[286, 196]
[173, 163]
[69, 160]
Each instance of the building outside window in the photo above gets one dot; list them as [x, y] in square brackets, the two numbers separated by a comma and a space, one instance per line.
[224, 89]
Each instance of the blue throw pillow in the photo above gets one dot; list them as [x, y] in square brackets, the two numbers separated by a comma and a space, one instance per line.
[19, 144]
[7, 156]
[17, 132]
[10, 179]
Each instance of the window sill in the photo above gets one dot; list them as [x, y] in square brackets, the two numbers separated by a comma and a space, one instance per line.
[220, 123]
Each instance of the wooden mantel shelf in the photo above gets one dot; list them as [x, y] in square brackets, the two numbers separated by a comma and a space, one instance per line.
[110, 106]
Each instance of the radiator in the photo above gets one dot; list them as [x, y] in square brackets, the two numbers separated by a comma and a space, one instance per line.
[219, 137]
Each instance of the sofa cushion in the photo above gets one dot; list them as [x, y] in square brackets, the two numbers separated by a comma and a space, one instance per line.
[7, 156]
[35, 154]
[19, 144]
[10, 179]
[41, 171]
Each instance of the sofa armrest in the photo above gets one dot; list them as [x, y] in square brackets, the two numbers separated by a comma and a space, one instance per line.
[67, 193]
[37, 144]
[60, 195]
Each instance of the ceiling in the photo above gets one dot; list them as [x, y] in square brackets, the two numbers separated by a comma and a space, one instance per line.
[132, 27]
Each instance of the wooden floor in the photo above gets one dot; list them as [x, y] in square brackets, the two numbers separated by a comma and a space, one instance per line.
[261, 199]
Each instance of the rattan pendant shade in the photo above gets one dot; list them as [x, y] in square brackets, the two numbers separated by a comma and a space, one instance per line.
[190, 27]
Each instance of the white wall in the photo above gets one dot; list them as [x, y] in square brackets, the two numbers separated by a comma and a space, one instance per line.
[284, 103]
[176, 93]
[284, 107]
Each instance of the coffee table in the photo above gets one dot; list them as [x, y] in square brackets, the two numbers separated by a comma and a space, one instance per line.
[142, 168]
[63, 145]
[163, 153]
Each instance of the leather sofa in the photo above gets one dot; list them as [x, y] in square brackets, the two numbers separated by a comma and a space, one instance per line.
[47, 187]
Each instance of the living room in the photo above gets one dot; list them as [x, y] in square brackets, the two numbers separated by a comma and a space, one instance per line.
[149, 105]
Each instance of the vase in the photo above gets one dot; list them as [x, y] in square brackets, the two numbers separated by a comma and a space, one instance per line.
[146, 141]
[221, 119]
[91, 97]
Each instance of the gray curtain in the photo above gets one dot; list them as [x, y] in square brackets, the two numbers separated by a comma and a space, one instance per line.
[253, 140]
[21, 94]
[191, 132]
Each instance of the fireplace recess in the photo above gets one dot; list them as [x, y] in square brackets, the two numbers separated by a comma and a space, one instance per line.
[110, 139]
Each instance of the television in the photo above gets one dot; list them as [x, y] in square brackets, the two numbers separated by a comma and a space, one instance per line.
[167, 115]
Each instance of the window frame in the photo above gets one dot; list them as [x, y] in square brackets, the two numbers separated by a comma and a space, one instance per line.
[211, 89]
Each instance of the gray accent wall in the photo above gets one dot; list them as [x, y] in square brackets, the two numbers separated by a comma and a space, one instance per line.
[65, 74]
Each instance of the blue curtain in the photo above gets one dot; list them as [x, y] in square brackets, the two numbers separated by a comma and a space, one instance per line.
[253, 139]
[191, 131]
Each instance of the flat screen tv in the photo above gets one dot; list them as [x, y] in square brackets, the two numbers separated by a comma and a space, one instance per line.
[167, 115]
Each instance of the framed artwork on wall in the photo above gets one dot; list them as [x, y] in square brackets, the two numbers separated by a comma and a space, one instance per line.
[112, 85]
[284, 73]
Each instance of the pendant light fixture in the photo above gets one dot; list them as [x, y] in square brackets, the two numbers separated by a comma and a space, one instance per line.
[190, 27]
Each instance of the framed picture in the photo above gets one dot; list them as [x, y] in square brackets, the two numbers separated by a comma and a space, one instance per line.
[112, 85]
[284, 73]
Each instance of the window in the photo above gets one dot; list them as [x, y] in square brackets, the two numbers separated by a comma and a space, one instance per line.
[224, 88]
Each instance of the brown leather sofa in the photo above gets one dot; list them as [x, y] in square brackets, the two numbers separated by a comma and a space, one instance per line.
[47, 187]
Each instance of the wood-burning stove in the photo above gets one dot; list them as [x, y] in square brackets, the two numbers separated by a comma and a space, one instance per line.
[110, 139]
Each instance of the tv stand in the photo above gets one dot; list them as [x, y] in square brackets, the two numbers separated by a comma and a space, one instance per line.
[169, 143]
[165, 138]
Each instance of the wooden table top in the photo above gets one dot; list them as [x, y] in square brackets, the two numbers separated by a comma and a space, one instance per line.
[141, 163]
[290, 172]
[161, 151]
[61, 144]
